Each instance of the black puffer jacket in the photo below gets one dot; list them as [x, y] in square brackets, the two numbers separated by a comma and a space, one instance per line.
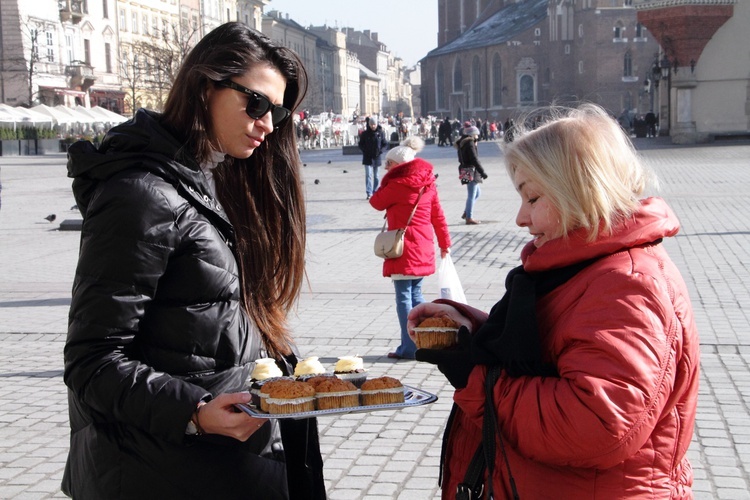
[155, 326]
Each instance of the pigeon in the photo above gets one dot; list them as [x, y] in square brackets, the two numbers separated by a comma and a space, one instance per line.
[51, 217]
[317, 181]
[346, 171]
[74, 207]
[304, 164]
[329, 162]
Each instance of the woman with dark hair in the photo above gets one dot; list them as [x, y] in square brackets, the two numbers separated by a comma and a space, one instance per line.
[191, 256]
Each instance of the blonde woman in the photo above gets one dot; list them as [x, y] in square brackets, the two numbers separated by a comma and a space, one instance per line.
[587, 369]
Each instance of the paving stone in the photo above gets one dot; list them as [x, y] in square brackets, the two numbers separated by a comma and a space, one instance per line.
[350, 309]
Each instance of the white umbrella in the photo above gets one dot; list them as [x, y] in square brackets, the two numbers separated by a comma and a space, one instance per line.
[87, 113]
[75, 116]
[8, 115]
[107, 115]
[33, 117]
[59, 117]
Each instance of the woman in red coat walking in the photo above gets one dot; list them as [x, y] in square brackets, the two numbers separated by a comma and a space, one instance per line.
[399, 190]
[585, 374]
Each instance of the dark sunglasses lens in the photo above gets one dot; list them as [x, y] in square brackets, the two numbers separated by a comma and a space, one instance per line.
[279, 115]
[257, 106]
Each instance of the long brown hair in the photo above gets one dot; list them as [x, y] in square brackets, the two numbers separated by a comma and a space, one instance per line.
[262, 195]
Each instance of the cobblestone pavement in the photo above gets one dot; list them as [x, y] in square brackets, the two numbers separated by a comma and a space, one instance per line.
[349, 308]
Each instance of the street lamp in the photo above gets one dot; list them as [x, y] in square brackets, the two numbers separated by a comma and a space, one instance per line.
[662, 70]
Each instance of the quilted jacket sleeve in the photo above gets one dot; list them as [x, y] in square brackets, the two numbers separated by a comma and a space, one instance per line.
[439, 223]
[617, 350]
[128, 235]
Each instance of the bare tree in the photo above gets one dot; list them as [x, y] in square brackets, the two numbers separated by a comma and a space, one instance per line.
[161, 57]
[134, 71]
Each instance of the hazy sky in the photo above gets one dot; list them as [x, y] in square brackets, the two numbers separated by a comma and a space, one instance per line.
[407, 27]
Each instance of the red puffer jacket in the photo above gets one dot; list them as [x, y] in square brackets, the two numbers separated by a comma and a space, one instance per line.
[619, 420]
[396, 195]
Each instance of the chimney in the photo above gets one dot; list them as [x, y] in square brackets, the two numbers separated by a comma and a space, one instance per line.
[374, 37]
[367, 33]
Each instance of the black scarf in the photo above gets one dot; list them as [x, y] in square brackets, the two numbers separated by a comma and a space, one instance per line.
[510, 336]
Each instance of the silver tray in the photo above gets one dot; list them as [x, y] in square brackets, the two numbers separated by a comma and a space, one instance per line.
[412, 397]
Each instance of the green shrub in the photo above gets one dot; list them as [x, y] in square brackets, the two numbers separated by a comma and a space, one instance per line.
[7, 134]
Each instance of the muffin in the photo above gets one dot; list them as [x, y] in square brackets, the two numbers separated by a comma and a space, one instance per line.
[382, 390]
[308, 368]
[314, 380]
[266, 386]
[436, 333]
[335, 393]
[265, 369]
[292, 397]
[351, 369]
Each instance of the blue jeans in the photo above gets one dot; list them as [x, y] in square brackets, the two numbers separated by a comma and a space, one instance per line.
[408, 295]
[473, 191]
[371, 179]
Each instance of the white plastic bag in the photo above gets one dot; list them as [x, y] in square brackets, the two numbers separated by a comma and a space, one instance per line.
[450, 285]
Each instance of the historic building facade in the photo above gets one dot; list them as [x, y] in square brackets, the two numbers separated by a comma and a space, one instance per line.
[501, 58]
[704, 72]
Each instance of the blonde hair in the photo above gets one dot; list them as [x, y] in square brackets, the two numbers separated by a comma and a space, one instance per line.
[583, 161]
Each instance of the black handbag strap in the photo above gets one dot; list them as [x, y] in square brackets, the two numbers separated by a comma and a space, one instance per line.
[490, 429]
[413, 210]
[472, 488]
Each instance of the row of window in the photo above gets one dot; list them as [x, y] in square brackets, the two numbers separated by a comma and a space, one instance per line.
[526, 82]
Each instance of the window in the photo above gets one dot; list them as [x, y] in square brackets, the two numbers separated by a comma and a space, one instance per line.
[567, 48]
[134, 23]
[108, 57]
[618, 30]
[639, 31]
[458, 80]
[580, 30]
[34, 34]
[627, 69]
[497, 81]
[476, 83]
[123, 20]
[537, 32]
[124, 59]
[144, 23]
[105, 9]
[50, 54]
[439, 87]
[87, 51]
[580, 67]
[69, 47]
[526, 89]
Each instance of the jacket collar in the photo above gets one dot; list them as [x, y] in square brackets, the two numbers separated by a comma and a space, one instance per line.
[653, 221]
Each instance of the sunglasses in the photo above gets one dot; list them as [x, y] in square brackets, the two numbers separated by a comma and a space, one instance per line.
[258, 104]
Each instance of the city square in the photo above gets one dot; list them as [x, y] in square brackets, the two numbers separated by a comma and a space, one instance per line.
[347, 308]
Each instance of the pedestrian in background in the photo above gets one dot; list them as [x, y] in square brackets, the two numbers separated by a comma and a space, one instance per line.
[373, 143]
[191, 256]
[587, 370]
[468, 157]
[411, 181]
